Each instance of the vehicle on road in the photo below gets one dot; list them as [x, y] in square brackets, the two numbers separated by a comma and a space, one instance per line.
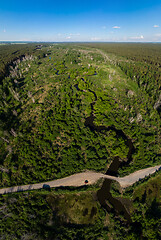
[46, 186]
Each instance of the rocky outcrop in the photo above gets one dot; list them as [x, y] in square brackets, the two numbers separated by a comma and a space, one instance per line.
[157, 105]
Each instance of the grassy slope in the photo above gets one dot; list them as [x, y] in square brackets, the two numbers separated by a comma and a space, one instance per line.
[63, 214]
[146, 211]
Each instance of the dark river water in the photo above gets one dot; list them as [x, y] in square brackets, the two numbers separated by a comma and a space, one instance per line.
[110, 203]
[104, 195]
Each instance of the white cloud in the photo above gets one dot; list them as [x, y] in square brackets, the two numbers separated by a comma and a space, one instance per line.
[103, 27]
[156, 26]
[158, 35]
[74, 34]
[17, 40]
[116, 27]
[4, 30]
[137, 37]
[95, 39]
[68, 37]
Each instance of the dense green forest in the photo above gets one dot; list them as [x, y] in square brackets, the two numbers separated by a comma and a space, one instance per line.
[65, 108]
[11, 52]
[77, 214]
[143, 65]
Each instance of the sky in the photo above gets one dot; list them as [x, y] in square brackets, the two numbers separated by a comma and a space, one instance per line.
[85, 20]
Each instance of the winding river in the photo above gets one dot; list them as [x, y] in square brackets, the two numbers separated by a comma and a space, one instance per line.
[76, 180]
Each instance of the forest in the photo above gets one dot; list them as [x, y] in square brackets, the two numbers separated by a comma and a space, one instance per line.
[144, 67]
[66, 108]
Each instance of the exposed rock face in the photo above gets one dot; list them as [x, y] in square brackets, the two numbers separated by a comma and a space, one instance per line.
[110, 77]
[3, 169]
[139, 118]
[157, 105]
[130, 93]
[131, 120]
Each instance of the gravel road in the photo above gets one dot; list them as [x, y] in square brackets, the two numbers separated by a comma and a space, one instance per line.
[134, 177]
[78, 179]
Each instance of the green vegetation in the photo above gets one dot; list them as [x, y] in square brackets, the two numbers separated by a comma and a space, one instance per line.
[143, 65]
[67, 108]
[45, 104]
[43, 215]
[76, 214]
[75, 208]
[146, 212]
[11, 52]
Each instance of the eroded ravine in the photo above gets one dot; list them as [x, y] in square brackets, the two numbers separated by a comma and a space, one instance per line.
[89, 122]
[104, 193]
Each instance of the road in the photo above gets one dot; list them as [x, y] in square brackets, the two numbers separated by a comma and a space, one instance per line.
[78, 179]
[134, 177]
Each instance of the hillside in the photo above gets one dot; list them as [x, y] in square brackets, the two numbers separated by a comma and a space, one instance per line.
[69, 108]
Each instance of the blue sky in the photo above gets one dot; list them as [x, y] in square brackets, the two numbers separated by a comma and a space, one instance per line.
[122, 21]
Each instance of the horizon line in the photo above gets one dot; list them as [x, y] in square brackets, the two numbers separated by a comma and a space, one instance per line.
[32, 41]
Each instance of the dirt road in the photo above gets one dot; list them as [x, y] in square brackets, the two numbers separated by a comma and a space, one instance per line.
[78, 179]
[134, 177]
